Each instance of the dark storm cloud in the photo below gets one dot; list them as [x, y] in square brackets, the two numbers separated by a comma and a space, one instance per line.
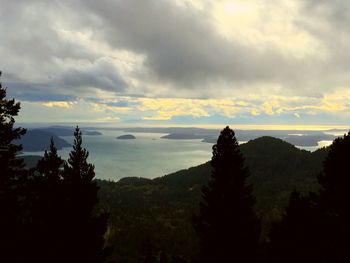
[39, 96]
[36, 59]
[101, 75]
[180, 44]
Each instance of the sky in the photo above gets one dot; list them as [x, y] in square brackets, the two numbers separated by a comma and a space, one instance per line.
[178, 62]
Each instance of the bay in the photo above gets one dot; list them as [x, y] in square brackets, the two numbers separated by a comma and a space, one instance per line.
[146, 156]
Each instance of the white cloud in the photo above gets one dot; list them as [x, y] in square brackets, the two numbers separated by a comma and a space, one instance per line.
[58, 104]
[275, 57]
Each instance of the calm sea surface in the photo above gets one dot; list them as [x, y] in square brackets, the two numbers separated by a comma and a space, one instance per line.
[146, 156]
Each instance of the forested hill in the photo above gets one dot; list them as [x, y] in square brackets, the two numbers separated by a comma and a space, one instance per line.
[161, 209]
[276, 167]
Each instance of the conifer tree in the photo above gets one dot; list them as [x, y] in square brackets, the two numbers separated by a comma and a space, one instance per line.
[335, 178]
[301, 235]
[50, 165]
[49, 207]
[11, 177]
[85, 231]
[227, 226]
[316, 227]
[8, 134]
[334, 198]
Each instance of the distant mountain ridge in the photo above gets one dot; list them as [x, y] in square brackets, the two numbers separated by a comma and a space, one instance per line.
[38, 139]
[296, 137]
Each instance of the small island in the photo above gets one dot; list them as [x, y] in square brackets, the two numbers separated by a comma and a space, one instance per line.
[210, 140]
[94, 133]
[126, 137]
[182, 136]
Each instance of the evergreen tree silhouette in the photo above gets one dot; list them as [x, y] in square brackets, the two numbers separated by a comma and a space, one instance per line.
[334, 198]
[12, 177]
[335, 178]
[316, 227]
[84, 241]
[49, 209]
[50, 165]
[47, 215]
[227, 226]
[302, 235]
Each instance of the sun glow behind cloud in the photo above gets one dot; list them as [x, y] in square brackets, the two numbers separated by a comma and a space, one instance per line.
[58, 104]
[185, 61]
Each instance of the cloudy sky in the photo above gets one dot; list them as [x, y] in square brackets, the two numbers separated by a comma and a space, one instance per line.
[157, 62]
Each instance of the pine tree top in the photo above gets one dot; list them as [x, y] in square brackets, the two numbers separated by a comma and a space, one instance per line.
[50, 166]
[77, 165]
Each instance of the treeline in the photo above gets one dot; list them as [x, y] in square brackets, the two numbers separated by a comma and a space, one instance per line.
[50, 213]
[47, 213]
[314, 228]
[160, 210]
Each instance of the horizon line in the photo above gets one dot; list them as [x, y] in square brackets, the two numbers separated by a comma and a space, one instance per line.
[301, 127]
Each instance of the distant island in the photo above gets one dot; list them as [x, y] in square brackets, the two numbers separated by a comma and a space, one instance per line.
[182, 136]
[67, 130]
[39, 140]
[309, 138]
[210, 140]
[126, 137]
[95, 133]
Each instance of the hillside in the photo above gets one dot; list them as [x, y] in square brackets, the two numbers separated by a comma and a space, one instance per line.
[39, 140]
[276, 167]
[161, 209]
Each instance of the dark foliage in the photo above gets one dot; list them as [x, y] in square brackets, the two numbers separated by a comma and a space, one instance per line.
[49, 211]
[12, 181]
[334, 198]
[316, 227]
[47, 214]
[66, 227]
[302, 235]
[162, 208]
[83, 233]
[227, 226]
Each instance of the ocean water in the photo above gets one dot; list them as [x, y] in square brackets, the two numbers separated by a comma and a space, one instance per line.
[146, 156]
[321, 144]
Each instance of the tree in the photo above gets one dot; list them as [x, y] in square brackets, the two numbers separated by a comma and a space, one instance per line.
[301, 235]
[335, 178]
[334, 197]
[49, 207]
[84, 240]
[316, 227]
[49, 167]
[11, 178]
[227, 226]
[9, 164]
